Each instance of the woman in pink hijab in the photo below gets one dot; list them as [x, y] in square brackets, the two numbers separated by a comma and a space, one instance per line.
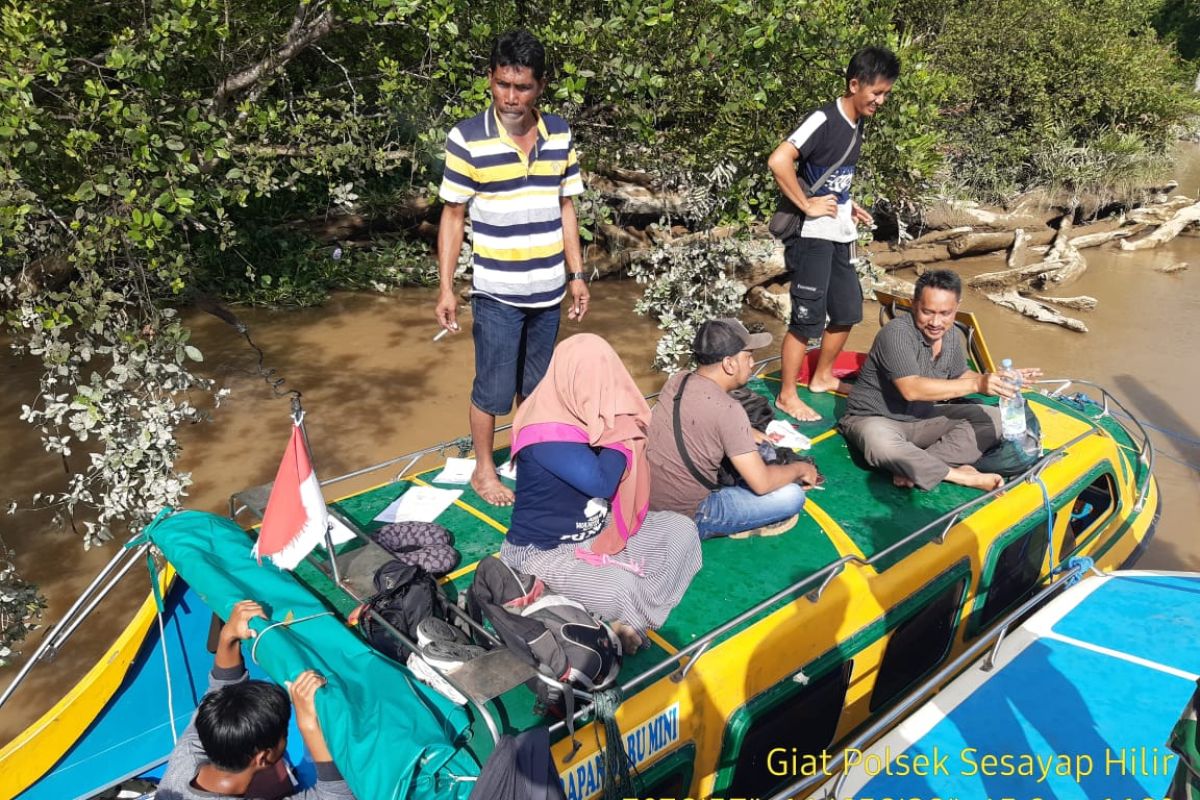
[580, 520]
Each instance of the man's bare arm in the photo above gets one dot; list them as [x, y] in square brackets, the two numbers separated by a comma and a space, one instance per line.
[450, 238]
[915, 388]
[762, 477]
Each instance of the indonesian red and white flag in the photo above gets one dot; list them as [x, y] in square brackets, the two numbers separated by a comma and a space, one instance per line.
[296, 519]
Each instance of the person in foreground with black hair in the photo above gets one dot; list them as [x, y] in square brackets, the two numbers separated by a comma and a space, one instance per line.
[894, 415]
[714, 426]
[818, 240]
[239, 733]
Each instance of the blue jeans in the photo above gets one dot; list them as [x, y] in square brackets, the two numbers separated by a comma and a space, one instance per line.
[734, 509]
[511, 344]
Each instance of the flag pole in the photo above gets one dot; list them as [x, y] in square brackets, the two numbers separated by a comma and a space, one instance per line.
[298, 419]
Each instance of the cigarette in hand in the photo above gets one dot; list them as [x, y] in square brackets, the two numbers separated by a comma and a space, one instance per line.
[444, 331]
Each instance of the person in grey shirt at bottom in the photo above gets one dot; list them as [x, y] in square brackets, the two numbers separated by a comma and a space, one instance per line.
[239, 732]
[894, 415]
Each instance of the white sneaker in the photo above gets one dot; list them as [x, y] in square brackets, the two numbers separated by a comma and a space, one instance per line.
[430, 676]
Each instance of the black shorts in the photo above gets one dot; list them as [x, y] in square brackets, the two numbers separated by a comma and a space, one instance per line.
[824, 284]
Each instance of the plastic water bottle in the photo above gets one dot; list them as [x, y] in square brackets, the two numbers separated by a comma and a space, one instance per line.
[1012, 410]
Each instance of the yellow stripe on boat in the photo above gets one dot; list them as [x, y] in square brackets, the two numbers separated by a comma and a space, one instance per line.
[39, 747]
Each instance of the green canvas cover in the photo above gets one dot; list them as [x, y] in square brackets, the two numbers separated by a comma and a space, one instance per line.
[392, 737]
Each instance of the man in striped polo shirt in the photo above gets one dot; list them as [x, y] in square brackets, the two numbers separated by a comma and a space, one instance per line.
[516, 171]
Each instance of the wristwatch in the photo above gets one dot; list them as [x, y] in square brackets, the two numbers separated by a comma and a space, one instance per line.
[576, 276]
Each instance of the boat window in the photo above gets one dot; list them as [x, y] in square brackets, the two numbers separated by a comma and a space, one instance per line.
[918, 645]
[670, 776]
[1093, 504]
[1017, 571]
[802, 724]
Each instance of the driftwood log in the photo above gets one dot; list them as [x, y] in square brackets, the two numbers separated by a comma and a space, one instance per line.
[1062, 264]
[977, 243]
[1161, 212]
[1033, 309]
[910, 255]
[1081, 303]
[934, 237]
[777, 303]
[955, 213]
[1167, 231]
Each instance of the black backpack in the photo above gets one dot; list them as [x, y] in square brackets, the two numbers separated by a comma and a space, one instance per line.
[405, 595]
[553, 633]
[1008, 458]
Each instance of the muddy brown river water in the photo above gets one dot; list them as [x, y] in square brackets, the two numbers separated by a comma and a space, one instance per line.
[375, 386]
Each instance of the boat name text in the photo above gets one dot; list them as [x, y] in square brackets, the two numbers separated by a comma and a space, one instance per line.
[586, 777]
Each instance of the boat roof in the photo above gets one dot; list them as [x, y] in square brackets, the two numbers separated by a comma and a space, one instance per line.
[1091, 685]
[860, 514]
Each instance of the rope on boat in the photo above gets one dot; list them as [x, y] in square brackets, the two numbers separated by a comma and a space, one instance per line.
[162, 641]
[1082, 402]
[1049, 518]
[1077, 566]
[159, 610]
[286, 623]
[269, 375]
[618, 769]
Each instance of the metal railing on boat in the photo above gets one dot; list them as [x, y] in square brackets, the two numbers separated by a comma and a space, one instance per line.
[100, 587]
[990, 641]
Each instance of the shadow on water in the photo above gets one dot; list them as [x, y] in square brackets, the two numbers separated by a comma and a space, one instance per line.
[1170, 427]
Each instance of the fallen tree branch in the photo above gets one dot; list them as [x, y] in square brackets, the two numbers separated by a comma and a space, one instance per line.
[1020, 242]
[632, 198]
[1017, 276]
[300, 36]
[907, 256]
[1034, 310]
[1081, 303]
[1096, 239]
[777, 304]
[623, 175]
[1063, 263]
[1168, 231]
[980, 242]
[1160, 212]
[934, 237]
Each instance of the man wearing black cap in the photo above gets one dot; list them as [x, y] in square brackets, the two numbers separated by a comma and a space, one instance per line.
[685, 456]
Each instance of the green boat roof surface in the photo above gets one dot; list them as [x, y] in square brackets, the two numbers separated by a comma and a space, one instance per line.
[736, 575]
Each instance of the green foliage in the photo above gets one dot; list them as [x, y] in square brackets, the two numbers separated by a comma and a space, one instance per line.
[1040, 77]
[1178, 21]
[699, 88]
[686, 285]
[20, 605]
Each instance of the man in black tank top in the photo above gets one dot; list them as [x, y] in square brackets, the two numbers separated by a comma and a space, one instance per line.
[814, 167]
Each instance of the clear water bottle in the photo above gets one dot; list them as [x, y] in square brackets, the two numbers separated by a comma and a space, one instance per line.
[1012, 410]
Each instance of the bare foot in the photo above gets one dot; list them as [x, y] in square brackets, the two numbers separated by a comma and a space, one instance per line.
[902, 482]
[969, 476]
[821, 385]
[797, 408]
[488, 486]
[631, 640]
